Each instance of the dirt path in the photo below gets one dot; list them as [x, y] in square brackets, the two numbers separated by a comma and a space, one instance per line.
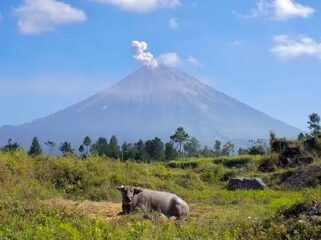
[102, 210]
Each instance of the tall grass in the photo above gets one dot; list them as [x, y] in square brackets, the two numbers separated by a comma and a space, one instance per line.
[25, 182]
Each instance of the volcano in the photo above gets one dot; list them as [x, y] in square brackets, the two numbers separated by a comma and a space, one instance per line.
[152, 102]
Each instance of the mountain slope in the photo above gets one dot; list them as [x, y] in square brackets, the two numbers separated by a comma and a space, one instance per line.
[148, 103]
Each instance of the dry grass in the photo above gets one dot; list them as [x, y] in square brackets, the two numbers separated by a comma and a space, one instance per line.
[91, 209]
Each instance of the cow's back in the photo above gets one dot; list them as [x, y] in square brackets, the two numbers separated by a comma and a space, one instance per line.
[167, 203]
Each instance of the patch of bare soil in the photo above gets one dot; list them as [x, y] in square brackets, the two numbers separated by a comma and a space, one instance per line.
[102, 210]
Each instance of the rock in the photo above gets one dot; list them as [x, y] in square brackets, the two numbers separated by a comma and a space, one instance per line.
[303, 177]
[294, 157]
[308, 209]
[245, 183]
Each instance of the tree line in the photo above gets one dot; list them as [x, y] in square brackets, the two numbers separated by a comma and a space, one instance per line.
[181, 144]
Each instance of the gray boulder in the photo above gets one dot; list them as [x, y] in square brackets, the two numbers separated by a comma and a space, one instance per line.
[246, 184]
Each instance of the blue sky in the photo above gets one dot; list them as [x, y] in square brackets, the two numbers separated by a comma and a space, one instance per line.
[266, 53]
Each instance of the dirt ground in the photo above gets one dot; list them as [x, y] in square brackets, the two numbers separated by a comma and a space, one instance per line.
[102, 210]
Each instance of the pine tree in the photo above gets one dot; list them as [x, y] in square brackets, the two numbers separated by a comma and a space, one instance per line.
[35, 148]
[155, 149]
[206, 152]
[113, 148]
[217, 148]
[192, 147]
[81, 149]
[314, 124]
[170, 152]
[128, 151]
[301, 137]
[87, 142]
[141, 154]
[180, 137]
[100, 147]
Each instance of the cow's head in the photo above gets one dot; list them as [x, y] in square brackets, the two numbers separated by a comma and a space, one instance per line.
[128, 193]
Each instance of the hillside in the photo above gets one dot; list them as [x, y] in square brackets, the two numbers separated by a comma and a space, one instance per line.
[152, 102]
[68, 198]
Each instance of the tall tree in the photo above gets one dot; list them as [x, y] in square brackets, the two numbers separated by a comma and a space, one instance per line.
[228, 149]
[243, 151]
[191, 147]
[155, 149]
[180, 137]
[113, 148]
[81, 149]
[66, 148]
[35, 148]
[100, 147]
[272, 138]
[170, 152]
[259, 147]
[314, 124]
[141, 154]
[128, 151]
[206, 152]
[301, 137]
[87, 142]
[217, 148]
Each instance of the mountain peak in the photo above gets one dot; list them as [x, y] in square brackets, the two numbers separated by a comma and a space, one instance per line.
[153, 102]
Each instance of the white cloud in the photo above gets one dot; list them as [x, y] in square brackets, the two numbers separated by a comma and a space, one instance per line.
[173, 23]
[142, 5]
[193, 61]
[291, 47]
[36, 16]
[171, 59]
[281, 10]
[142, 55]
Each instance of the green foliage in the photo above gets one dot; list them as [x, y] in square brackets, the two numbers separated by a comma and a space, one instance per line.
[66, 148]
[27, 183]
[35, 148]
[170, 152]
[217, 148]
[87, 142]
[314, 124]
[228, 149]
[11, 146]
[141, 154]
[180, 137]
[259, 147]
[128, 151]
[113, 150]
[100, 147]
[192, 147]
[155, 149]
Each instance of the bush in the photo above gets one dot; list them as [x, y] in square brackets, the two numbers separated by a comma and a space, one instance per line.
[243, 161]
[269, 163]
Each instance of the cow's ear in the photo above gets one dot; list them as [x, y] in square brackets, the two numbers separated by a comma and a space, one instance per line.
[121, 188]
[137, 190]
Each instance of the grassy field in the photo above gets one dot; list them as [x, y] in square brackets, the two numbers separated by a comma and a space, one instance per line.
[69, 198]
